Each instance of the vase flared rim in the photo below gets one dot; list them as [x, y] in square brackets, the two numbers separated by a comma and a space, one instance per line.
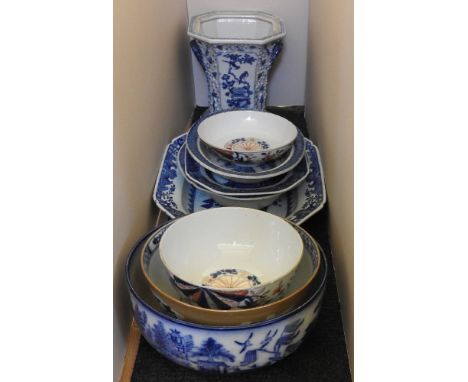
[277, 31]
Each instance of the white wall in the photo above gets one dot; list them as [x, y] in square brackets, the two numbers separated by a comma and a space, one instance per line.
[288, 75]
[153, 102]
[329, 112]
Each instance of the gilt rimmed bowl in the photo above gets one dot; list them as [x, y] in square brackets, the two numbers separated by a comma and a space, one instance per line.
[248, 135]
[219, 349]
[166, 292]
[231, 257]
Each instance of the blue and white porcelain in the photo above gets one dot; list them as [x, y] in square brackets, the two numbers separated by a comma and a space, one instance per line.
[238, 171]
[219, 349]
[175, 196]
[201, 177]
[236, 51]
[257, 202]
[248, 135]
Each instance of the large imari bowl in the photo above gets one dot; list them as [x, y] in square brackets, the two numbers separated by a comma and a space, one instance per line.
[248, 135]
[307, 278]
[216, 348]
[231, 257]
[236, 51]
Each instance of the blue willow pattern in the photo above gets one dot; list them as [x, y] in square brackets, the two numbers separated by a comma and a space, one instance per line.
[212, 356]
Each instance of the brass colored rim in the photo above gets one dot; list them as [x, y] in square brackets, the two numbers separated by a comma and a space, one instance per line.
[239, 289]
[235, 312]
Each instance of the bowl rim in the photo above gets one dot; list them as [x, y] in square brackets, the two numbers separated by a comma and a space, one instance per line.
[281, 317]
[228, 112]
[239, 312]
[291, 269]
[278, 29]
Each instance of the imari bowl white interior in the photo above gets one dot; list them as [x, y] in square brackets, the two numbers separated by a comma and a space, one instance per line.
[231, 257]
[220, 349]
[248, 135]
[164, 290]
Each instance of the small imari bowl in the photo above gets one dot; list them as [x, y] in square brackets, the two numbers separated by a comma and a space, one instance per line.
[231, 257]
[247, 135]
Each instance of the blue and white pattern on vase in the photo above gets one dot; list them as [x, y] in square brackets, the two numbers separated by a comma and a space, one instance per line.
[174, 195]
[237, 74]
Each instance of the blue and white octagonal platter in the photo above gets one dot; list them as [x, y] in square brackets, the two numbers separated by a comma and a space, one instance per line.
[220, 349]
[177, 197]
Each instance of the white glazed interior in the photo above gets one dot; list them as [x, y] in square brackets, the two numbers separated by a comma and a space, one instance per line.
[220, 128]
[236, 27]
[231, 238]
[160, 277]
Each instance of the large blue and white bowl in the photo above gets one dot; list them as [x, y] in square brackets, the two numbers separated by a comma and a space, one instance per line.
[216, 348]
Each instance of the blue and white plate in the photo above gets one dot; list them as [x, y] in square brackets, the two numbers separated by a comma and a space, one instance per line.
[177, 197]
[199, 176]
[233, 170]
[257, 202]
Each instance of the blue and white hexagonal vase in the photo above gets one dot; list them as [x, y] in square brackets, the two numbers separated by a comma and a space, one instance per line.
[236, 56]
